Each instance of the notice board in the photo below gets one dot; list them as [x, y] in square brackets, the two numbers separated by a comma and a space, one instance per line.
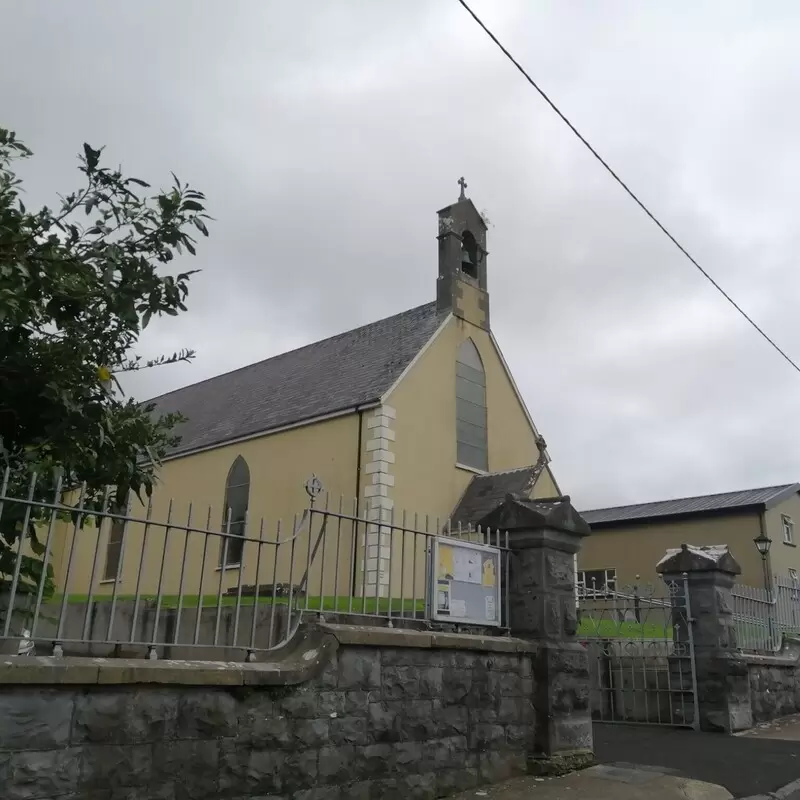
[465, 582]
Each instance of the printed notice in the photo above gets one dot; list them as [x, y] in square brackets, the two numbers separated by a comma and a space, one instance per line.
[467, 565]
[489, 576]
[443, 597]
[464, 582]
[458, 608]
[446, 571]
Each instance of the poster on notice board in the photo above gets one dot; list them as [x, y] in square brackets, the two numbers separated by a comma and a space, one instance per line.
[465, 582]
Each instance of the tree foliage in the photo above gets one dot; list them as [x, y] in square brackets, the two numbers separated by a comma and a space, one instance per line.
[78, 284]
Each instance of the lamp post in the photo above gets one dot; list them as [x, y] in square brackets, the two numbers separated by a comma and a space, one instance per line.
[763, 544]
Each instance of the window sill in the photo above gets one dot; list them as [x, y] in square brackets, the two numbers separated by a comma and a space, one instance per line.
[107, 581]
[228, 566]
[474, 470]
[789, 544]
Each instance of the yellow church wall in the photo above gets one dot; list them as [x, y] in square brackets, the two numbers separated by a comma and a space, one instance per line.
[420, 477]
[427, 479]
[279, 466]
[469, 303]
[545, 487]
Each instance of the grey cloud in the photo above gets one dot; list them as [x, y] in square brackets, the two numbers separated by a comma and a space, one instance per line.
[327, 135]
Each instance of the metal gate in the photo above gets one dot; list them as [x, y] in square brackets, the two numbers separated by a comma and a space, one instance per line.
[641, 654]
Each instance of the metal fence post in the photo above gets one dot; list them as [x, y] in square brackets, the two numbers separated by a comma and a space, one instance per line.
[692, 662]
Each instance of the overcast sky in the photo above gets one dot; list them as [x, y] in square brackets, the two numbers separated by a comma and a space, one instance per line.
[327, 134]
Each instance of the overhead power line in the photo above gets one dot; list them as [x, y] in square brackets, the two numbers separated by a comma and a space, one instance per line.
[627, 189]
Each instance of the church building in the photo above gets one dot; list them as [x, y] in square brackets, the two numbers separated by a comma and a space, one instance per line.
[415, 413]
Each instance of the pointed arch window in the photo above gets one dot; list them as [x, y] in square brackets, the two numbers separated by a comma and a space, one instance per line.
[471, 435]
[237, 495]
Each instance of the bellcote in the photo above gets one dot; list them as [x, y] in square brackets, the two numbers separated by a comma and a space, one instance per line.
[461, 286]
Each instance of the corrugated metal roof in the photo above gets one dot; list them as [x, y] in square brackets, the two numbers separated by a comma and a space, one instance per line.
[702, 504]
[351, 369]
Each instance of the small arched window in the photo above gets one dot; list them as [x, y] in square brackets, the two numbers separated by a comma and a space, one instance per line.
[469, 255]
[471, 435]
[116, 533]
[237, 494]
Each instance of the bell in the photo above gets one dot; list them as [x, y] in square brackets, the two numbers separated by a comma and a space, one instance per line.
[465, 259]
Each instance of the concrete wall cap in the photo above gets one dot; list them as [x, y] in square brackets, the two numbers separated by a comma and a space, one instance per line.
[517, 512]
[312, 651]
[788, 656]
[315, 649]
[699, 558]
[366, 636]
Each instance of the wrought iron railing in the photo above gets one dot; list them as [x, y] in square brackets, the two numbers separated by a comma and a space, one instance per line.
[763, 616]
[640, 645]
[156, 584]
[636, 611]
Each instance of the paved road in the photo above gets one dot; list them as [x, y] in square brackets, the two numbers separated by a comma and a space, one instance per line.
[745, 765]
[601, 783]
[787, 728]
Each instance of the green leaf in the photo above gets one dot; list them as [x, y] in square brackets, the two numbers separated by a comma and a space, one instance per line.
[92, 157]
[72, 301]
[36, 546]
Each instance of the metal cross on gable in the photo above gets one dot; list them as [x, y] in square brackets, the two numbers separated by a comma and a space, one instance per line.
[463, 184]
[313, 487]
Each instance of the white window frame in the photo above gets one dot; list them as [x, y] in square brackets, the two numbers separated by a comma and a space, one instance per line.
[609, 583]
[788, 529]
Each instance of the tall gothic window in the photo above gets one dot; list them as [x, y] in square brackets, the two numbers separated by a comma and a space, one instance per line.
[237, 493]
[471, 438]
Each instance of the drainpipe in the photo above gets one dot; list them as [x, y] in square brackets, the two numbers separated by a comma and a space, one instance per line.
[358, 459]
[353, 569]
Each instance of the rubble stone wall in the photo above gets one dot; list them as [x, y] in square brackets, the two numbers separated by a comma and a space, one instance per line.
[412, 715]
[775, 682]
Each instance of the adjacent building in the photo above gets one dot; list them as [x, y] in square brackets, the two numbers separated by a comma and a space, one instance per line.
[628, 541]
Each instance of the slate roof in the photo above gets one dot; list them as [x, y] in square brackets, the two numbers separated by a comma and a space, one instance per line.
[692, 506]
[485, 492]
[351, 369]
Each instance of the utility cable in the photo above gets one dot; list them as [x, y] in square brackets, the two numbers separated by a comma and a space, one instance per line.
[625, 186]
